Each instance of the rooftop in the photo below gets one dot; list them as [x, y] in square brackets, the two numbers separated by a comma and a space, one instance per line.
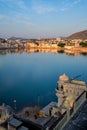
[23, 128]
[46, 109]
[78, 82]
[42, 121]
[14, 122]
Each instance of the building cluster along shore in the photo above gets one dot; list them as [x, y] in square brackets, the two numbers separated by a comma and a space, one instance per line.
[52, 43]
[71, 94]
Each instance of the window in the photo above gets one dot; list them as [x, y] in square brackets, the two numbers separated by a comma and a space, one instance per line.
[61, 87]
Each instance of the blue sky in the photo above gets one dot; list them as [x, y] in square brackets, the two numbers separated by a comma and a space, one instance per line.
[42, 18]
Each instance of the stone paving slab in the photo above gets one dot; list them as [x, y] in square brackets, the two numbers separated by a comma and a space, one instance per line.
[79, 120]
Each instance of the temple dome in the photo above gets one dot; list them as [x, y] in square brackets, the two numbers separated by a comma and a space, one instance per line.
[64, 77]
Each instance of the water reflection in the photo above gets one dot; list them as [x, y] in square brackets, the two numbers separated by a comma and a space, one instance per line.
[31, 78]
[84, 53]
[68, 52]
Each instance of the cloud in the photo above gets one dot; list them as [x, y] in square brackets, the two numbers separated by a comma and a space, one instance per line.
[76, 2]
[17, 12]
[67, 4]
[4, 19]
[13, 3]
[64, 9]
[42, 7]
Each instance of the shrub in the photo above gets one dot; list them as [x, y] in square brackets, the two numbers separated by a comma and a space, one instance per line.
[61, 44]
[83, 44]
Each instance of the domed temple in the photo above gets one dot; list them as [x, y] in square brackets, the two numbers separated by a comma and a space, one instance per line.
[71, 95]
[68, 90]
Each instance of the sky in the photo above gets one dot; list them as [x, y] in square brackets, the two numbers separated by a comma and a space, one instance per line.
[42, 18]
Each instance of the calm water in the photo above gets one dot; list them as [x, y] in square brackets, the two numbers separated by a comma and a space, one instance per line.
[31, 78]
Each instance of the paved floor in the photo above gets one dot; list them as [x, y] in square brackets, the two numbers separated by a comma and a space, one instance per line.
[79, 120]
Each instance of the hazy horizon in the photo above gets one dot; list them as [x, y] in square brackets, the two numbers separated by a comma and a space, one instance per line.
[42, 18]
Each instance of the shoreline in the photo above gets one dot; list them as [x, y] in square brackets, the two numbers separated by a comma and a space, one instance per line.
[71, 51]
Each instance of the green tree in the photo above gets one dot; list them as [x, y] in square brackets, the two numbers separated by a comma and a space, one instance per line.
[61, 44]
[83, 44]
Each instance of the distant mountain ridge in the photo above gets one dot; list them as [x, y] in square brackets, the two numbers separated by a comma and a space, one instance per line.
[15, 38]
[1, 38]
[79, 35]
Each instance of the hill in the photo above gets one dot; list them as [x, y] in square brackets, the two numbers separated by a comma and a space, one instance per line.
[79, 35]
[1, 38]
[15, 38]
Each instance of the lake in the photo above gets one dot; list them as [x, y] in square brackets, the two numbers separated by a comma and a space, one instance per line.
[31, 78]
